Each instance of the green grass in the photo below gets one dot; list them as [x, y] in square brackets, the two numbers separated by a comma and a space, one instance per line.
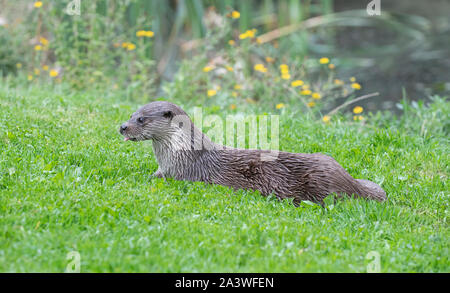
[69, 183]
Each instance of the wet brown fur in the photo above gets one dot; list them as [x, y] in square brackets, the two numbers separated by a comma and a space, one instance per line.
[289, 175]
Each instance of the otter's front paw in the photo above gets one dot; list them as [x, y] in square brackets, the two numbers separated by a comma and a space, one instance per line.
[157, 174]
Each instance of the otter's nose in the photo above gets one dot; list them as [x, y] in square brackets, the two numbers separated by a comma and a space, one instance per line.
[123, 127]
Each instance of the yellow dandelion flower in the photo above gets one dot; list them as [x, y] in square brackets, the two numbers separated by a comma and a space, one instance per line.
[235, 14]
[37, 71]
[231, 42]
[297, 83]
[270, 60]
[331, 66]
[45, 67]
[305, 92]
[356, 86]
[207, 68]
[53, 73]
[358, 109]
[211, 93]
[229, 68]
[279, 106]
[125, 44]
[338, 82]
[286, 76]
[43, 41]
[243, 36]
[326, 118]
[19, 65]
[284, 67]
[360, 117]
[30, 77]
[324, 60]
[140, 33]
[38, 48]
[233, 107]
[149, 34]
[316, 96]
[237, 87]
[352, 79]
[234, 94]
[311, 104]
[131, 46]
[38, 4]
[260, 67]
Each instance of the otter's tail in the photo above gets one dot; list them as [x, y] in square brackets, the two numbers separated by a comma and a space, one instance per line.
[374, 190]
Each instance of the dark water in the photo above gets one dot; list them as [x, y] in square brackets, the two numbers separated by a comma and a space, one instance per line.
[405, 53]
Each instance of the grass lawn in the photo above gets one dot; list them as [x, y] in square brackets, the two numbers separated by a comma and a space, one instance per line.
[69, 183]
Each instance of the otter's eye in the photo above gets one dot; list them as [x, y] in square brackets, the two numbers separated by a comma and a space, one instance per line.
[140, 120]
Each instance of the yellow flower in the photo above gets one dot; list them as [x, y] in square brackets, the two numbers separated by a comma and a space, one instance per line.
[359, 118]
[326, 118]
[237, 87]
[247, 34]
[352, 79]
[207, 68]
[43, 41]
[243, 36]
[37, 71]
[305, 87]
[234, 94]
[285, 76]
[324, 60]
[30, 77]
[284, 67]
[233, 106]
[131, 46]
[53, 73]
[311, 104]
[316, 96]
[279, 106]
[19, 65]
[260, 67]
[358, 109]
[38, 4]
[45, 67]
[338, 82]
[124, 44]
[331, 66]
[229, 68]
[38, 47]
[269, 60]
[231, 42]
[305, 92]
[211, 93]
[356, 86]
[140, 33]
[149, 34]
[235, 14]
[297, 83]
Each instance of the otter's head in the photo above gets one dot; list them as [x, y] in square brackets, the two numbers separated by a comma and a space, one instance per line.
[152, 121]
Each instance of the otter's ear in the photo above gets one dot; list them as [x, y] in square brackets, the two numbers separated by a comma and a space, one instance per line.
[168, 114]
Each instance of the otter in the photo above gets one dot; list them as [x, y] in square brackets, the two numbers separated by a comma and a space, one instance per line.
[183, 152]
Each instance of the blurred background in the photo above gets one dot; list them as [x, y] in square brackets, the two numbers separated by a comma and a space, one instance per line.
[143, 48]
